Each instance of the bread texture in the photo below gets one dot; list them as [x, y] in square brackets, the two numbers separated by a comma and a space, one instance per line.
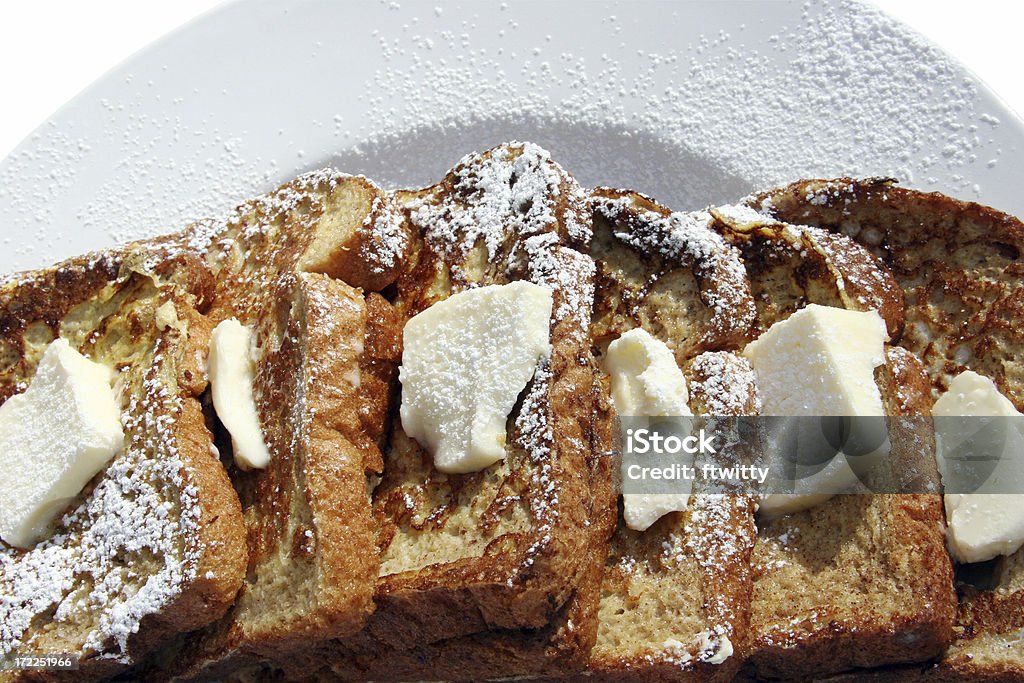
[858, 580]
[325, 354]
[675, 597]
[350, 557]
[510, 549]
[960, 267]
[154, 545]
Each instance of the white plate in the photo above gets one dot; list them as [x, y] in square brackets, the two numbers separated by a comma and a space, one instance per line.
[692, 102]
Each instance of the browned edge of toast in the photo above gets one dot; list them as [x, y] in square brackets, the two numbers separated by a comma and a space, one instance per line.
[96, 284]
[960, 265]
[522, 579]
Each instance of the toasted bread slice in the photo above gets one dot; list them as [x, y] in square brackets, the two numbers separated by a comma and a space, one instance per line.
[675, 598]
[859, 580]
[326, 356]
[154, 545]
[960, 266]
[670, 597]
[504, 548]
[560, 648]
[312, 547]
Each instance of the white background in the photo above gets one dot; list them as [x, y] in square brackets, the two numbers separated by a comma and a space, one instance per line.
[50, 51]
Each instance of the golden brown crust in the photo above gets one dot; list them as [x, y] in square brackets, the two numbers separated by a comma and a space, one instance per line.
[306, 225]
[960, 266]
[134, 309]
[378, 371]
[958, 262]
[535, 505]
[361, 239]
[222, 564]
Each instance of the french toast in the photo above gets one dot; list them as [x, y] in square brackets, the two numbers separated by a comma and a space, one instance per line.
[857, 580]
[675, 597]
[672, 581]
[154, 544]
[561, 647]
[325, 359]
[365, 562]
[508, 547]
[960, 266]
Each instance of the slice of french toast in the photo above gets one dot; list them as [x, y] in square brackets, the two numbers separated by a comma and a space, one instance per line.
[560, 648]
[675, 597]
[154, 544]
[699, 304]
[960, 266]
[857, 580]
[287, 266]
[506, 547]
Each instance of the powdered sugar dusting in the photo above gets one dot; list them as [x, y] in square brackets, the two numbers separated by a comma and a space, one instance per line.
[688, 240]
[122, 555]
[534, 425]
[507, 194]
[725, 383]
[739, 113]
[568, 274]
[388, 241]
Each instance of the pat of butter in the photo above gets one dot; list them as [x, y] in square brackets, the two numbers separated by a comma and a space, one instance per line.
[645, 378]
[820, 361]
[232, 369]
[465, 361]
[981, 525]
[54, 438]
[646, 382]
[724, 651]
